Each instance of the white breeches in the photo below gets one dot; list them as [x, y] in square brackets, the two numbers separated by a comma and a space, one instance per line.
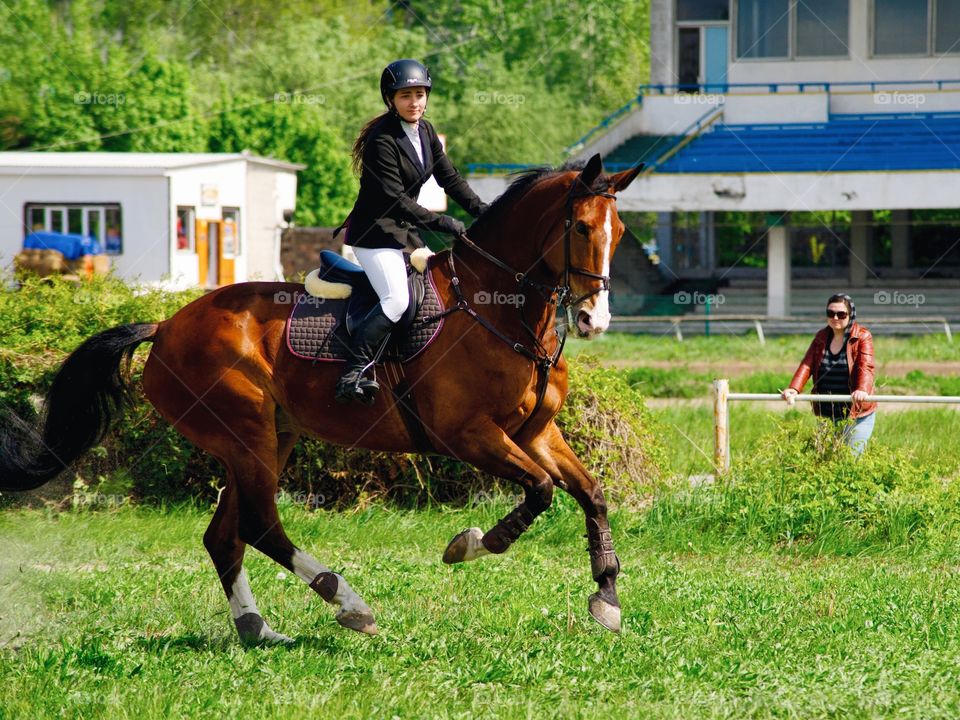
[388, 275]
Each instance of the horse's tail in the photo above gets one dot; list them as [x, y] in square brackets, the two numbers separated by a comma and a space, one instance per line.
[87, 391]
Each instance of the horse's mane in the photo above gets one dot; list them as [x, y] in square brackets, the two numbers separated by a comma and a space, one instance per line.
[522, 182]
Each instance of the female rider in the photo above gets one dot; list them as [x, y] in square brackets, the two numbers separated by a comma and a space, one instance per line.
[395, 154]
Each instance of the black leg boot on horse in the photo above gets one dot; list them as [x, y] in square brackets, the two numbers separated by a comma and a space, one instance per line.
[367, 344]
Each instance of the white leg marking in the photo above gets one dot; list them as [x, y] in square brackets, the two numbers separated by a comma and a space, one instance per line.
[241, 597]
[307, 568]
[475, 547]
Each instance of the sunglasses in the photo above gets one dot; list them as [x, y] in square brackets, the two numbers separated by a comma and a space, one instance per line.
[839, 315]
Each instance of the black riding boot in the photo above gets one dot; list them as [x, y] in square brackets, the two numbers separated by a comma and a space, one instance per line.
[365, 345]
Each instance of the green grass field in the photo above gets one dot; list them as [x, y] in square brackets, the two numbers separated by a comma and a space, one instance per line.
[118, 614]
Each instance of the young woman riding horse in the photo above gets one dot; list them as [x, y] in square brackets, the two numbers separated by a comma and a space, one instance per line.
[488, 389]
[395, 154]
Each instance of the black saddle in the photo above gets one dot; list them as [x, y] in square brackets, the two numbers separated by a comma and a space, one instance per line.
[336, 268]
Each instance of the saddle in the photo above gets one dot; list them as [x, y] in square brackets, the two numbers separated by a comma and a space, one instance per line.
[338, 296]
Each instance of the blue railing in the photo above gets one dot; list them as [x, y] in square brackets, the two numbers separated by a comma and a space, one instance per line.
[605, 123]
[775, 87]
[693, 129]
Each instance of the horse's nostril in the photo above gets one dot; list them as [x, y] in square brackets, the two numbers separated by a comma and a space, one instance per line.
[585, 318]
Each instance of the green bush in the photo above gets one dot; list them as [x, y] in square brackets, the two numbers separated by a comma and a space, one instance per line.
[144, 457]
[802, 484]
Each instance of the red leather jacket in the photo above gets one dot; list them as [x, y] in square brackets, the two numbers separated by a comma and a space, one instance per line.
[859, 362]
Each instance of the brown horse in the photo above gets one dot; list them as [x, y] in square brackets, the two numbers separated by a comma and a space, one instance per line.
[487, 390]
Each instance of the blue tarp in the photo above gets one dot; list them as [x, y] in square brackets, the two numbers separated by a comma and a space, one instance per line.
[71, 245]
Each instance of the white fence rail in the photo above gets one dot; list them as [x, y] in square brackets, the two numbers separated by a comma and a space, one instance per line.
[721, 411]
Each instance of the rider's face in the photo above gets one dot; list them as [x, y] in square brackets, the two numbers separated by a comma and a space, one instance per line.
[410, 103]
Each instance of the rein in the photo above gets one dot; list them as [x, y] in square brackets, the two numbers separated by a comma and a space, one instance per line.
[558, 295]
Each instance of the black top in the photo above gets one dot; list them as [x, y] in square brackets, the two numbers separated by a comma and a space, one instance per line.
[386, 212]
[834, 379]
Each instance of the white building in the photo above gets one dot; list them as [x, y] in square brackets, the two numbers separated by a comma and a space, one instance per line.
[180, 219]
[783, 107]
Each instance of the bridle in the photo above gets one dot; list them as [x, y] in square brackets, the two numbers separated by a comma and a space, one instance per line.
[557, 295]
[562, 292]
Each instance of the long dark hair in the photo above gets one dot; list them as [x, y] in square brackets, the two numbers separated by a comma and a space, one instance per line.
[361, 142]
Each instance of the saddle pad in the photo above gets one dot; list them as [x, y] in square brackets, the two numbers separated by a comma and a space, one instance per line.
[316, 330]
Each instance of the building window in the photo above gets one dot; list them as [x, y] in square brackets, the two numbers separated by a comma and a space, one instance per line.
[703, 10]
[186, 229]
[916, 27]
[763, 29]
[948, 27]
[900, 27]
[99, 222]
[821, 28]
[113, 240]
[231, 232]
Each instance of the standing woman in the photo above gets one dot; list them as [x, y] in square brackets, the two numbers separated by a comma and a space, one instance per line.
[840, 359]
[394, 155]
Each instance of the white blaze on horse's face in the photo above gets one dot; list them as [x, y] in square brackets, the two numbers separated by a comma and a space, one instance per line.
[593, 316]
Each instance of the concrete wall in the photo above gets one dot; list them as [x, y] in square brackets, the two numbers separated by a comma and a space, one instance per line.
[143, 201]
[269, 193]
[777, 192]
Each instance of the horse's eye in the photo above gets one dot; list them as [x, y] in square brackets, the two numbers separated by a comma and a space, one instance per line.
[582, 227]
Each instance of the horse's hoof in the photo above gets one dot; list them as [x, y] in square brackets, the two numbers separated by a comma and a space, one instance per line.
[604, 613]
[359, 620]
[253, 630]
[465, 546]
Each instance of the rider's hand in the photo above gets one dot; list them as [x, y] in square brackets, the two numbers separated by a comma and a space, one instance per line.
[449, 224]
[790, 395]
[859, 396]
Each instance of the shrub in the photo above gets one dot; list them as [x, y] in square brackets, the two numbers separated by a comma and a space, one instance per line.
[803, 484]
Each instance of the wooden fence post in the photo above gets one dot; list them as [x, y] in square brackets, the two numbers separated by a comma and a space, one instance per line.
[721, 426]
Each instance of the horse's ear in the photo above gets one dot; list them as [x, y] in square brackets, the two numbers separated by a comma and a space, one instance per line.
[591, 171]
[621, 180]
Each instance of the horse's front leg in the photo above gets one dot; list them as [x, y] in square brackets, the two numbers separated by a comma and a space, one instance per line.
[488, 448]
[551, 452]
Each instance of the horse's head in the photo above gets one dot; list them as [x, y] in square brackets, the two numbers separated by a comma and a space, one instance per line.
[583, 253]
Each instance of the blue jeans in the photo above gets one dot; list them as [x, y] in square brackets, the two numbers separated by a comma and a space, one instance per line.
[858, 432]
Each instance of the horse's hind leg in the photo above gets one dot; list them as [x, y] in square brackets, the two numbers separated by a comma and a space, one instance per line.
[260, 526]
[222, 540]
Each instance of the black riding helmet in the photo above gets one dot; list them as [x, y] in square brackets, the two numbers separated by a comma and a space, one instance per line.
[403, 73]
